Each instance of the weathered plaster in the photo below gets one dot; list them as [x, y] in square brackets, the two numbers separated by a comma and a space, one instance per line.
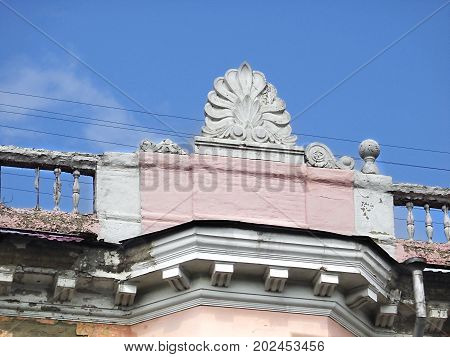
[177, 189]
[26, 327]
[117, 200]
[249, 150]
[22, 327]
[48, 221]
[209, 321]
[201, 321]
[434, 253]
[420, 195]
[48, 159]
[374, 210]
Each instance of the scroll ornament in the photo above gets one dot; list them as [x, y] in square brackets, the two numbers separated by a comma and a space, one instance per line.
[319, 155]
[165, 146]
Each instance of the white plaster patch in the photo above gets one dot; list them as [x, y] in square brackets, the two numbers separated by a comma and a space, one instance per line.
[112, 258]
[118, 196]
[374, 208]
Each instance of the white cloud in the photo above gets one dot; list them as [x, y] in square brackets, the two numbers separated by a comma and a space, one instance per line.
[68, 82]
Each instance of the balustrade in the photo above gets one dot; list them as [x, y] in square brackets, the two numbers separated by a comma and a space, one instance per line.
[430, 199]
[45, 161]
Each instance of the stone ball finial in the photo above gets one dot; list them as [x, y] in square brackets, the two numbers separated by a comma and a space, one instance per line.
[369, 150]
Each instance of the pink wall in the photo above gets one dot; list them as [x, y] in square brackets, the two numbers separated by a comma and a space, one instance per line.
[201, 321]
[207, 321]
[177, 189]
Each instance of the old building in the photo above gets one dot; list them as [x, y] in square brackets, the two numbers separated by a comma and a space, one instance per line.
[249, 235]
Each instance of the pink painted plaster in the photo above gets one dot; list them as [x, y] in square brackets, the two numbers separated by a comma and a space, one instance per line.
[208, 321]
[177, 189]
[434, 253]
[48, 221]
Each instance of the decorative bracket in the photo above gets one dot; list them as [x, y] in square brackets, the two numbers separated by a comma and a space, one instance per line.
[6, 279]
[386, 315]
[360, 297]
[325, 283]
[436, 317]
[176, 278]
[64, 288]
[275, 279]
[221, 274]
[125, 294]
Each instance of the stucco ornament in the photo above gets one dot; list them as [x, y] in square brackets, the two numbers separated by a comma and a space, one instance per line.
[243, 106]
[165, 146]
[319, 155]
[369, 150]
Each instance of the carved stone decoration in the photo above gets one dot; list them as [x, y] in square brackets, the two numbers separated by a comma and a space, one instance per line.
[176, 278]
[6, 279]
[446, 222]
[36, 186]
[324, 284]
[64, 288]
[221, 274]
[428, 223]
[360, 297]
[369, 150]
[125, 294]
[244, 107]
[57, 188]
[319, 155]
[410, 220]
[386, 315]
[165, 146]
[275, 279]
[76, 191]
[436, 317]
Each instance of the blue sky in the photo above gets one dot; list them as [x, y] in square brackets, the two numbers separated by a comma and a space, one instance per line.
[166, 54]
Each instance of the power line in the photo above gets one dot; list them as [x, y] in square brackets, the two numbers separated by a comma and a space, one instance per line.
[66, 136]
[100, 105]
[132, 146]
[412, 165]
[160, 131]
[85, 64]
[43, 193]
[381, 144]
[373, 58]
[417, 220]
[43, 178]
[90, 118]
[184, 118]
[400, 164]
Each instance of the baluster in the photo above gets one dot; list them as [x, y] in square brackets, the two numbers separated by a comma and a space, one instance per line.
[57, 188]
[428, 223]
[446, 222]
[76, 191]
[410, 220]
[36, 186]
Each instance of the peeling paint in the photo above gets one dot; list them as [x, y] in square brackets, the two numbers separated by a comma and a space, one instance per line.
[434, 253]
[48, 221]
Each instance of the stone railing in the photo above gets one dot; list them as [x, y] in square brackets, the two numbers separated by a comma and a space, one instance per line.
[75, 164]
[430, 199]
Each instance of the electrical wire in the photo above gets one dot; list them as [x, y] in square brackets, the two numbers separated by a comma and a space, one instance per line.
[43, 193]
[179, 133]
[132, 146]
[44, 178]
[160, 131]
